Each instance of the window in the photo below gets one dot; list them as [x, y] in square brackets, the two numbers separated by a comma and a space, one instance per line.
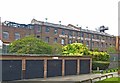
[97, 44]
[5, 48]
[81, 41]
[97, 36]
[62, 41]
[114, 58]
[70, 41]
[92, 35]
[47, 29]
[103, 37]
[63, 32]
[30, 26]
[55, 31]
[87, 43]
[87, 35]
[101, 44]
[5, 35]
[76, 33]
[70, 33]
[47, 39]
[106, 44]
[38, 36]
[100, 37]
[92, 43]
[106, 38]
[17, 36]
[82, 34]
[55, 40]
[39, 28]
[110, 44]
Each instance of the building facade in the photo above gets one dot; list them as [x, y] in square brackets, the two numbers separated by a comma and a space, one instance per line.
[57, 33]
[118, 43]
[12, 31]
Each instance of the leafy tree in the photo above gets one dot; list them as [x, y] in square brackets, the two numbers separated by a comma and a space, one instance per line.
[56, 48]
[30, 45]
[111, 49]
[96, 50]
[75, 49]
[80, 49]
[99, 56]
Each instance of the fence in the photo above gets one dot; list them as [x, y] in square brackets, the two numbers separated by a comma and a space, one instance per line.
[15, 67]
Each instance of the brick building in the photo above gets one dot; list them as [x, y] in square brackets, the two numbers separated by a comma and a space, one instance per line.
[61, 34]
[12, 31]
[118, 43]
[51, 33]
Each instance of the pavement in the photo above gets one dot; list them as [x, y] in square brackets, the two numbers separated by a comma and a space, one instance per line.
[65, 79]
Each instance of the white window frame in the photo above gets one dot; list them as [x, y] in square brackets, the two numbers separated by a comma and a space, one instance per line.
[17, 36]
[7, 34]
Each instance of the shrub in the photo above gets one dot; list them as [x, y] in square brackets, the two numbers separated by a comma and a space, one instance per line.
[99, 56]
[101, 64]
[75, 49]
[56, 48]
[30, 45]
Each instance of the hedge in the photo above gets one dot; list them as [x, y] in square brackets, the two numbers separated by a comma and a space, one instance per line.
[101, 64]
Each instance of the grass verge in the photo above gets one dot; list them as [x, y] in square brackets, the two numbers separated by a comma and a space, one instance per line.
[110, 80]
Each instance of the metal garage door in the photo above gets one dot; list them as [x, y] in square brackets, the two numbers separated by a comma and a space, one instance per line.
[84, 66]
[70, 67]
[11, 70]
[34, 69]
[54, 68]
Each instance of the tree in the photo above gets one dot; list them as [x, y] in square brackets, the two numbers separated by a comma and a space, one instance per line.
[111, 49]
[30, 45]
[96, 50]
[75, 49]
[56, 48]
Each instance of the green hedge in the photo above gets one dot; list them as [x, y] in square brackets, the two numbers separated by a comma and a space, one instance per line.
[105, 71]
[101, 64]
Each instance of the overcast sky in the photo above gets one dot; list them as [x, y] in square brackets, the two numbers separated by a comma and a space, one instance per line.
[91, 13]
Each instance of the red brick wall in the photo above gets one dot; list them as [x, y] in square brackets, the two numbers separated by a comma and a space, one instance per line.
[12, 30]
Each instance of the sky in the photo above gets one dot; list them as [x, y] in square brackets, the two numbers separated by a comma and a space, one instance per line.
[84, 13]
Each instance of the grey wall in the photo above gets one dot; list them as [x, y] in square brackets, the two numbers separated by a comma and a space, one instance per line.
[114, 60]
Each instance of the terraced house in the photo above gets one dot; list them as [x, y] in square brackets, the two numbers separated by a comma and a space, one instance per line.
[57, 33]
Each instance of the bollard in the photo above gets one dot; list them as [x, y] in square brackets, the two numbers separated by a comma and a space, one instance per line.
[97, 68]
